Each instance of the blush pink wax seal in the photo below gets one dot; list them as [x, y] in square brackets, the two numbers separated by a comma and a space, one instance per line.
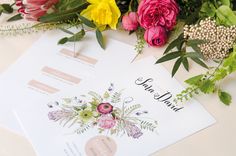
[101, 146]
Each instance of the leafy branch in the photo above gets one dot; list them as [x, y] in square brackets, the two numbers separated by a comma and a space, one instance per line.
[80, 35]
[210, 82]
[177, 49]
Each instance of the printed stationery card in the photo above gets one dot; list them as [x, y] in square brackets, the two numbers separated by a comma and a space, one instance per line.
[47, 68]
[126, 111]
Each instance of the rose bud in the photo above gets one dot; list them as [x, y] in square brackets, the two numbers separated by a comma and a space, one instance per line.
[130, 21]
[156, 36]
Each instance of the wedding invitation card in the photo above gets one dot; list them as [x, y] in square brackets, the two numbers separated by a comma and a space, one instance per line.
[47, 68]
[121, 110]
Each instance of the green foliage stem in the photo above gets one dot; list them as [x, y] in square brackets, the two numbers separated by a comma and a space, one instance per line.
[209, 83]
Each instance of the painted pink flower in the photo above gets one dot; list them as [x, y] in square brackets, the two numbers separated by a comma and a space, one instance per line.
[158, 12]
[130, 21]
[156, 36]
[106, 121]
[104, 108]
[34, 9]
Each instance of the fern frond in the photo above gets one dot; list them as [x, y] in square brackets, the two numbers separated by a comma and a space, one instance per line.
[83, 129]
[116, 97]
[148, 125]
[131, 109]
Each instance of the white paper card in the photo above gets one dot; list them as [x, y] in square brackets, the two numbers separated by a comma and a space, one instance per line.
[47, 68]
[126, 111]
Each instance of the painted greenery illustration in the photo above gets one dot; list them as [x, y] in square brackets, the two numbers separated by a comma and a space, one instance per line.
[109, 113]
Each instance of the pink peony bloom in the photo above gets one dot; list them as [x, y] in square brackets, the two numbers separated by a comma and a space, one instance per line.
[156, 36]
[106, 121]
[158, 12]
[104, 108]
[34, 9]
[130, 21]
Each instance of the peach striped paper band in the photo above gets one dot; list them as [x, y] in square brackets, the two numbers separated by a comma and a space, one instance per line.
[43, 87]
[61, 75]
[79, 56]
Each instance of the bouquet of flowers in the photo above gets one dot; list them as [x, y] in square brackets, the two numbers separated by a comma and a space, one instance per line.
[197, 30]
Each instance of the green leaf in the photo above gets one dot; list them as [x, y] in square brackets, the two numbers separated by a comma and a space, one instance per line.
[225, 16]
[220, 74]
[176, 66]
[225, 2]
[7, 8]
[225, 97]
[168, 57]
[66, 31]
[134, 5]
[64, 15]
[185, 63]
[193, 17]
[207, 87]
[86, 21]
[194, 44]
[55, 17]
[68, 4]
[175, 43]
[15, 18]
[193, 55]
[63, 40]
[208, 9]
[198, 61]
[77, 37]
[194, 80]
[100, 38]
[177, 31]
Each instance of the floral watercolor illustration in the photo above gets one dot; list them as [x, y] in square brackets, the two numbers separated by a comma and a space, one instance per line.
[109, 113]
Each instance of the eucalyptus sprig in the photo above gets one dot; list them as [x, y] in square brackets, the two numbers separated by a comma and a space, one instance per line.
[177, 49]
[210, 82]
[79, 35]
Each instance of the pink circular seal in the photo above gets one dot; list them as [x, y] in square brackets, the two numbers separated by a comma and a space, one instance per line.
[101, 146]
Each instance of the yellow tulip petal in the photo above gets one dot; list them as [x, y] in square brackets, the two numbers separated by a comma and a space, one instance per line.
[115, 16]
[115, 8]
[102, 13]
[87, 12]
[94, 1]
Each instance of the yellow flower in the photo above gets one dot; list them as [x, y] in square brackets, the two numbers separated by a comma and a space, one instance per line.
[86, 115]
[102, 13]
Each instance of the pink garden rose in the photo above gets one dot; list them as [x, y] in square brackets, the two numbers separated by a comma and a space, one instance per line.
[34, 9]
[106, 121]
[104, 108]
[130, 21]
[154, 13]
[156, 36]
